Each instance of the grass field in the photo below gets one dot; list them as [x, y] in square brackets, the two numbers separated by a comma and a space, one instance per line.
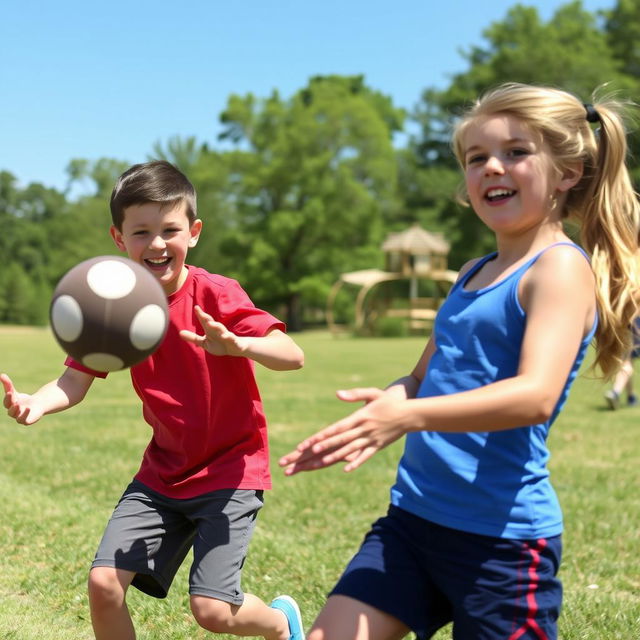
[60, 479]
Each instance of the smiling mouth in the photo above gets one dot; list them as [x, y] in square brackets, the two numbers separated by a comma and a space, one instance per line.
[157, 262]
[496, 195]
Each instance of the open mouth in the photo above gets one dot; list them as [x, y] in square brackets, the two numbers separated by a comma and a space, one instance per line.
[157, 263]
[497, 195]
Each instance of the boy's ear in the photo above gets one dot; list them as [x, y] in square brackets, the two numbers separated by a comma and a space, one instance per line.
[117, 238]
[195, 230]
[570, 177]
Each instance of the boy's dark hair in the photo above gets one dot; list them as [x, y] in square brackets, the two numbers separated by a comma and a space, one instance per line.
[156, 181]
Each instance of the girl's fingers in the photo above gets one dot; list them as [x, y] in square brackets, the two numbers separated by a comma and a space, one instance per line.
[362, 394]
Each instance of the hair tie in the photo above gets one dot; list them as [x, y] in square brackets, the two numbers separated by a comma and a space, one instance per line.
[592, 113]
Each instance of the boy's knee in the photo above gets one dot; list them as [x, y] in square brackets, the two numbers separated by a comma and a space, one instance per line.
[211, 614]
[105, 586]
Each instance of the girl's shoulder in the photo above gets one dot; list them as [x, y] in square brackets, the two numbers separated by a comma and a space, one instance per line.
[565, 257]
[468, 266]
[561, 267]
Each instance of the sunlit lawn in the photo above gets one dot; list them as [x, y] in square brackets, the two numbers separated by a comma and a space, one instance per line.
[60, 479]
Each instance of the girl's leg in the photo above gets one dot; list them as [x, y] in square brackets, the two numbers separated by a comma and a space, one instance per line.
[252, 618]
[344, 618]
[107, 600]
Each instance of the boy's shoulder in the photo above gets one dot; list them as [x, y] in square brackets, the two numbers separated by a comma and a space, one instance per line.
[203, 278]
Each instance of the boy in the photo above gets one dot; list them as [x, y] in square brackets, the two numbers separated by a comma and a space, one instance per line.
[203, 474]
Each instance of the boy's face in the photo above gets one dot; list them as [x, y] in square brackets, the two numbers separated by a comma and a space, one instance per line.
[158, 237]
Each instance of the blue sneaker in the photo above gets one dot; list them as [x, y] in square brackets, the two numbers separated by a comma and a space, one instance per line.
[289, 607]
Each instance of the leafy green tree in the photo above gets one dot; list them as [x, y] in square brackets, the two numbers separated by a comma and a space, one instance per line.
[18, 293]
[312, 182]
[102, 173]
[184, 153]
[622, 27]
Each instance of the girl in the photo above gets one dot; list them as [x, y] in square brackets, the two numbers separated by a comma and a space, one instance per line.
[472, 534]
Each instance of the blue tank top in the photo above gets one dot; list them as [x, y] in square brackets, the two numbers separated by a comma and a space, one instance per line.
[489, 483]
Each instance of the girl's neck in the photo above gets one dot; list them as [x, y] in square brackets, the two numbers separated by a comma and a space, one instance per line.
[511, 249]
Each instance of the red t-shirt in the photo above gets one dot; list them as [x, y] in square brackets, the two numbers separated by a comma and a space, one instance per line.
[209, 427]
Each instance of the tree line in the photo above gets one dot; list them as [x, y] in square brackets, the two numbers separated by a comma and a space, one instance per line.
[303, 188]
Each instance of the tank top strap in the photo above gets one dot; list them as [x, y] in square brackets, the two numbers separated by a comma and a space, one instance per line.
[517, 274]
[557, 244]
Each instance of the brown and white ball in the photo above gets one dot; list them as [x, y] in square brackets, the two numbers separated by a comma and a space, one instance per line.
[109, 313]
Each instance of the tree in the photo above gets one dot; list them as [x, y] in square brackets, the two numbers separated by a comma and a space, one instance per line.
[622, 27]
[103, 173]
[312, 180]
[184, 153]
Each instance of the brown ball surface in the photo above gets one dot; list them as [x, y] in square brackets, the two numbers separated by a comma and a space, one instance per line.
[109, 313]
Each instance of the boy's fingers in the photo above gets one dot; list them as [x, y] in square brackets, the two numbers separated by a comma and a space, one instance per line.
[6, 383]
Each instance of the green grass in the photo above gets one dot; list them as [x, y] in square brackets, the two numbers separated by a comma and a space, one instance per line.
[60, 479]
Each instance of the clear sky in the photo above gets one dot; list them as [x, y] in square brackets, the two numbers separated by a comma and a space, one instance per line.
[84, 79]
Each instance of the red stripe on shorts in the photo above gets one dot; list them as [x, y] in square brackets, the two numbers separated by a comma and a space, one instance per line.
[530, 623]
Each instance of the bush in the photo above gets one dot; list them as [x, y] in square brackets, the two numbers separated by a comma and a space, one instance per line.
[387, 327]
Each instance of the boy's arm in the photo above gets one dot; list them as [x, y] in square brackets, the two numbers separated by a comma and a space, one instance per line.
[68, 390]
[276, 350]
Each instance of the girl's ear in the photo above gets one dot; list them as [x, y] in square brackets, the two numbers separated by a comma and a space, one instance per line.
[117, 238]
[570, 177]
[195, 230]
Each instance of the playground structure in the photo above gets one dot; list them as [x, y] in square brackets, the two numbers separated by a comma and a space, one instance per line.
[413, 255]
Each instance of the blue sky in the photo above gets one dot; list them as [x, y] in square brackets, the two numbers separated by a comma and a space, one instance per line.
[90, 79]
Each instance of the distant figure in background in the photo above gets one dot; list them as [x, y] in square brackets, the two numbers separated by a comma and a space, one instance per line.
[624, 378]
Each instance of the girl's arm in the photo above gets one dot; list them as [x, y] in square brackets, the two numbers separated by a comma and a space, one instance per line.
[558, 295]
[276, 350]
[68, 390]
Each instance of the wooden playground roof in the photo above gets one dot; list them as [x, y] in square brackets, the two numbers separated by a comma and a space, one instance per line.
[417, 241]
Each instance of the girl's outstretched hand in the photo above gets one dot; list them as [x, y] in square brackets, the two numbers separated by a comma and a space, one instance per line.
[19, 406]
[353, 439]
[217, 339]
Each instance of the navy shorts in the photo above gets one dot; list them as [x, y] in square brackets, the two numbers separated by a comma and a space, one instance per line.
[151, 535]
[426, 576]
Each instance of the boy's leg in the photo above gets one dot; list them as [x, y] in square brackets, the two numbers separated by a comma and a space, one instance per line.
[252, 618]
[225, 521]
[345, 618]
[109, 614]
[143, 545]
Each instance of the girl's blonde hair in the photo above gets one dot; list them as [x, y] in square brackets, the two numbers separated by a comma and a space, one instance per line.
[603, 202]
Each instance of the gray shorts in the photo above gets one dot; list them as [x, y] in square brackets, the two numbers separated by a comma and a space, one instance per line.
[151, 535]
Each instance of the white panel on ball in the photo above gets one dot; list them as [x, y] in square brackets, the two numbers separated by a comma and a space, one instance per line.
[146, 326]
[66, 318]
[102, 362]
[111, 279]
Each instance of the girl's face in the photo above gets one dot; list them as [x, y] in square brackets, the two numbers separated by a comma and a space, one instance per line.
[509, 174]
[158, 237]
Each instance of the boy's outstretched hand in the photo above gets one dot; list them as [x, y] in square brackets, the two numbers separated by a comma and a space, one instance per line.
[19, 406]
[353, 439]
[217, 339]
